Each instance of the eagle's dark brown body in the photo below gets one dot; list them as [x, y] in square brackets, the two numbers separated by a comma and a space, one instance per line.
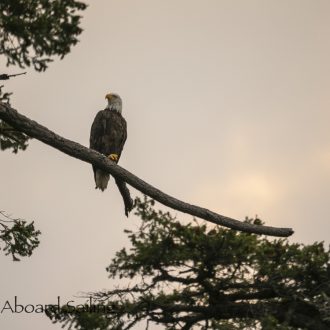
[108, 136]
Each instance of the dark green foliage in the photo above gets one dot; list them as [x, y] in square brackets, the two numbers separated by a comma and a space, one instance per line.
[33, 31]
[206, 277]
[4, 96]
[19, 237]
[11, 138]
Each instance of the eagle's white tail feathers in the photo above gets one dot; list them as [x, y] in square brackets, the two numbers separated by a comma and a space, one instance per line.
[101, 180]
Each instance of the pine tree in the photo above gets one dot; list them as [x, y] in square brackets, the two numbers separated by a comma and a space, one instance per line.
[193, 276]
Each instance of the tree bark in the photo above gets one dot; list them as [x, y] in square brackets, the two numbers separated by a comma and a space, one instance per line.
[124, 191]
[73, 149]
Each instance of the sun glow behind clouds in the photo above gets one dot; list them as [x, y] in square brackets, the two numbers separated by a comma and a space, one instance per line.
[246, 194]
[323, 160]
[254, 187]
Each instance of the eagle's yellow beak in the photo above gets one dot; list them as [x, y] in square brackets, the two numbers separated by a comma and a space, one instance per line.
[108, 96]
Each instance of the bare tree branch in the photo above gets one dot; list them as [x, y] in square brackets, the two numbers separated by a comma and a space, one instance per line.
[73, 149]
[124, 191]
[7, 76]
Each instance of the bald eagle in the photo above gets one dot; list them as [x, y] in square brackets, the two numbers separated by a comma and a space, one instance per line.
[108, 136]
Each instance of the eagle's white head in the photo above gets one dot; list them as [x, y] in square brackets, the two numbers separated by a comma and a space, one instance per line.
[114, 102]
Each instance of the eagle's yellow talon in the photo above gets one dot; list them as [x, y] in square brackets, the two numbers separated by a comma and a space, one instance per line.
[113, 157]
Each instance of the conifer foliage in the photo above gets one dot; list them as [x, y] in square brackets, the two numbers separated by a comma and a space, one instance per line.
[193, 276]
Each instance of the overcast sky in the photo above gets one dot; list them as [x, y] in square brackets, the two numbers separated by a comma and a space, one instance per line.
[227, 104]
